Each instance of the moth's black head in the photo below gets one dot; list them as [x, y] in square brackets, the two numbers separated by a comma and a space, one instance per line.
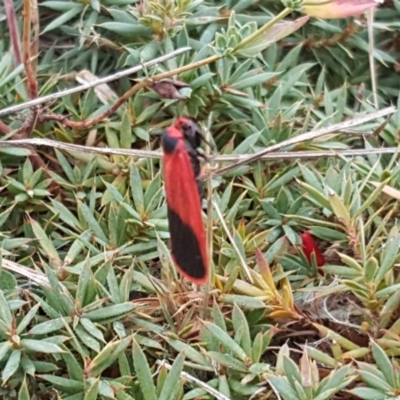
[190, 131]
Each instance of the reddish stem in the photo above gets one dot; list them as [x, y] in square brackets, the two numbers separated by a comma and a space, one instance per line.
[13, 27]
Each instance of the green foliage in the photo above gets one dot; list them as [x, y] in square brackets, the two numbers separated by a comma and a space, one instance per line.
[90, 304]
[303, 382]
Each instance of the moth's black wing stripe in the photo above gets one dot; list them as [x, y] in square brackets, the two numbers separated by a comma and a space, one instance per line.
[185, 246]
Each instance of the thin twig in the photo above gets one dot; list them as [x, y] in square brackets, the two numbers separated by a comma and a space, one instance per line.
[332, 318]
[31, 81]
[198, 382]
[92, 122]
[256, 394]
[110, 78]
[229, 158]
[4, 128]
[306, 136]
[36, 33]
[13, 28]
[32, 85]
[371, 48]
[278, 397]
[133, 90]
[239, 254]
[209, 226]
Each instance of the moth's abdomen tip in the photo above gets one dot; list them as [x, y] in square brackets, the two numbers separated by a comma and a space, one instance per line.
[187, 249]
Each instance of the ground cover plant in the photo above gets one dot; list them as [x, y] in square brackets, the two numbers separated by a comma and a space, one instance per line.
[301, 201]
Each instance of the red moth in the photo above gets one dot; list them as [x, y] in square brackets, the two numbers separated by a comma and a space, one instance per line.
[180, 144]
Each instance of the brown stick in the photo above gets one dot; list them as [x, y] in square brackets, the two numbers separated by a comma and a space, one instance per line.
[31, 16]
[13, 27]
[36, 33]
[4, 128]
[26, 51]
[110, 78]
[134, 89]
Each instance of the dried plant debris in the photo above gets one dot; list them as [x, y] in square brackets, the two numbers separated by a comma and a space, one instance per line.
[169, 88]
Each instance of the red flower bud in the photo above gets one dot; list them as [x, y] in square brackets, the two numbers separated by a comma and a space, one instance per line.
[309, 246]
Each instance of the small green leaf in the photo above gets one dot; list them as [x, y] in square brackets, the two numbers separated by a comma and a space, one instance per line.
[170, 386]
[136, 188]
[86, 338]
[11, 366]
[327, 394]
[124, 365]
[372, 197]
[388, 257]
[370, 268]
[338, 207]
[23, 393]
[257, 349]
[257, 79]
[91, 221]
[374, 381]
[351, 262]
[111, 312]
[92, 392]
[384, 364]
[46, 244]
[126, 29]
[85, 278]
[218, 317]
[5, 347]
[316, 195]
[321, 357]
[113, 286]
[64, 18]
[7, 280]
[49, 326]
[67, 385]
[5, 214]
[15, 151]
[246, 302]
[74, 368]
[109, 354]
[281, 384]
[190, 352]
[5, 313]
[125, 131]
[327, 233]
[91, 328]
[226, 340]
[335, 379]
[369, 394]
[65, 214]
[27, 171]
[228, 361]
[242, 329]
[40, 346]
[27, 319]
[28, 366]
[292, 371]
[143, 372]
